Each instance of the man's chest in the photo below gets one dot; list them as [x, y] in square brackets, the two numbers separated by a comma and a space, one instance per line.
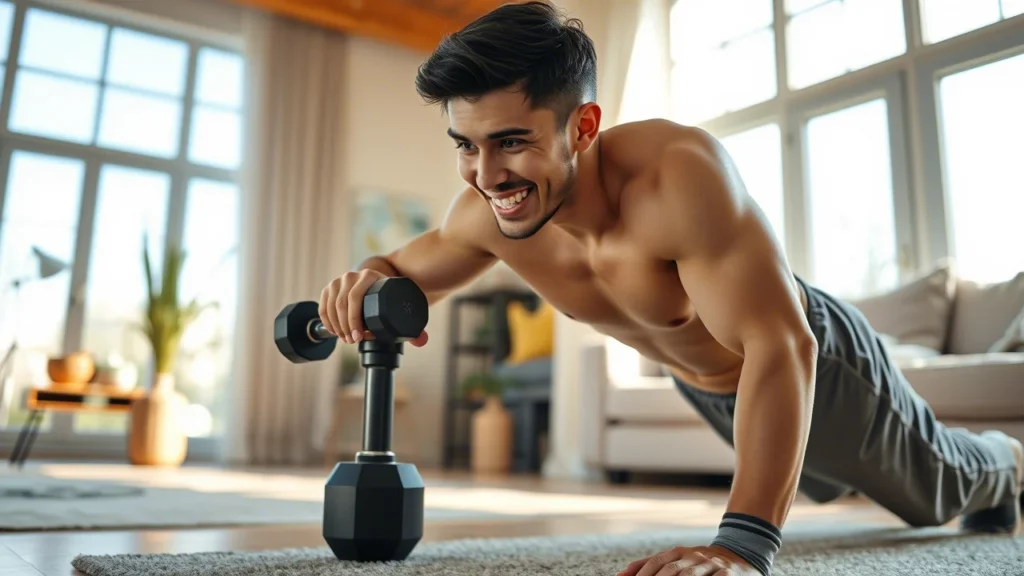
[612, 285]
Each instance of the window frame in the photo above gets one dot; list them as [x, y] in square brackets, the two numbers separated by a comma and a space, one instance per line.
[61, 438]
[923, 227]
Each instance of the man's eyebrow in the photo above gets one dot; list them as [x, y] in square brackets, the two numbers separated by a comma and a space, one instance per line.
[515, 131]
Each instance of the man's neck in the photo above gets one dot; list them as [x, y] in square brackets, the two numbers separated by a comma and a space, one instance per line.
[590, 209]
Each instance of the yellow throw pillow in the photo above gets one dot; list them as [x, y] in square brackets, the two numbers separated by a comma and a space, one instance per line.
[531, 334]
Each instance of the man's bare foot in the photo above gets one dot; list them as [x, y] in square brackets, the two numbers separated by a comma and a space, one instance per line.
[1004, 519]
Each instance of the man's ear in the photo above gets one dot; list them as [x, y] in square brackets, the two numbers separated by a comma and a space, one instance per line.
[588, 125]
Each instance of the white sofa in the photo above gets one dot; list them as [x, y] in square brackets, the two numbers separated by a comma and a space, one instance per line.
[960, 345]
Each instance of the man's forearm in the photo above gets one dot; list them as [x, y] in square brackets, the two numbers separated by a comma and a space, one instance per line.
[773, 418]
[380, 264]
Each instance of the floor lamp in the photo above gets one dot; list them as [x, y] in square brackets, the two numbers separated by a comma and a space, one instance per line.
[48, 266]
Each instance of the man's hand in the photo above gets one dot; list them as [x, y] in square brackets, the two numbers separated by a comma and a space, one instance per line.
[697, 561]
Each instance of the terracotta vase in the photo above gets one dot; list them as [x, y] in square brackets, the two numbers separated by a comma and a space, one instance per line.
[155, 436]
[491, 438]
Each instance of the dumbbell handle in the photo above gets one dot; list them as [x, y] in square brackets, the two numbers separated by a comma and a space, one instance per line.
[317, 332]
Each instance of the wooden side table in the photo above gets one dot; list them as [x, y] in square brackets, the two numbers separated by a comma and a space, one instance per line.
[67, 398]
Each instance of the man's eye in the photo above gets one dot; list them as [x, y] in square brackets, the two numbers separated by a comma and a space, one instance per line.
[463, 145]
[509, 143]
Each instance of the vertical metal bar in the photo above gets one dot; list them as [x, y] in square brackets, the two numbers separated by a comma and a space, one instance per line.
[378, 409]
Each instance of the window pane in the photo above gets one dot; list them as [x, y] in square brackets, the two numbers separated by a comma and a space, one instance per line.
[829, 40]
[6, 21]
[982, 121]
[64, 44]
[210, 273]
[748, 76]
[147, 62]
[849, 174]
[757, 154]
[41, 210]
[697, 25]
[882, 22]
[794, 6]
[694, 101]
[942, 19]
[745, 16]
[219, 78]
[1012, 8]
[216, 138]
[817, 45]
[53, 107]
[140, 123]
[130, 202]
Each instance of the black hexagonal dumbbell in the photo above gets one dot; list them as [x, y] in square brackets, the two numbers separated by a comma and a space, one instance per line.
[373, 507]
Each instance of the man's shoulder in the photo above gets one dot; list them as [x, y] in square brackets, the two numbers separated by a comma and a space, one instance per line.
[644, 147]
[469, 219]
[681, 186]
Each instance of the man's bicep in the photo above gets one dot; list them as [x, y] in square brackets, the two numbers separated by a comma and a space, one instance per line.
[744, 293]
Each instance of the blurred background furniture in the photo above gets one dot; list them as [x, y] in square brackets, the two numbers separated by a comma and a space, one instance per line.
[490, 346]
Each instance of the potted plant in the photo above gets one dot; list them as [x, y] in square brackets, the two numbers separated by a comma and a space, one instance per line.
[491, 426]
[156, 437]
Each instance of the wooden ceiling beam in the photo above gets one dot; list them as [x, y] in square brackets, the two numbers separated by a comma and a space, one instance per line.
[395, 21]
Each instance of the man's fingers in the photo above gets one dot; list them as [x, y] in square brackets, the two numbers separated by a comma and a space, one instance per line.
[341, 306]
[325, 306]
[634, 567]
[355, 306]
[654, 565]
[332, 307]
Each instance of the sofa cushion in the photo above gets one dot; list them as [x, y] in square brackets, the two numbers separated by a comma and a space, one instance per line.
[982, 313]
[537, 370]
[1013, 339]
[651, 400]
[916, 313]
[970, 386]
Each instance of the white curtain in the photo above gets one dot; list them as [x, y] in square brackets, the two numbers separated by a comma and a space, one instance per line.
[294, 231]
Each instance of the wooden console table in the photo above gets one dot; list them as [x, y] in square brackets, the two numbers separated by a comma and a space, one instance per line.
[64, 398]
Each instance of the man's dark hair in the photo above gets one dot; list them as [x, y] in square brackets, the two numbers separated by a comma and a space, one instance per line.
[528, 45]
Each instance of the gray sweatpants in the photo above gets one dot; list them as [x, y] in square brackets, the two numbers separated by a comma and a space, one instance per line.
[872, 433]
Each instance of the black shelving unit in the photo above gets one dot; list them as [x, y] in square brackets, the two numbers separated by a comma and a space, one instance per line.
[458, 408]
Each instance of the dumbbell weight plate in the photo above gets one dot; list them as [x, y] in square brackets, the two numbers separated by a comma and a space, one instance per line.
[294, 319]
[373, 512]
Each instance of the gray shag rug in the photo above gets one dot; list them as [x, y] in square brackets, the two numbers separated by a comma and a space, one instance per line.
[924, 552]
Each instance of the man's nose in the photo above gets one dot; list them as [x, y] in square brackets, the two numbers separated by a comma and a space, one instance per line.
[489, 173]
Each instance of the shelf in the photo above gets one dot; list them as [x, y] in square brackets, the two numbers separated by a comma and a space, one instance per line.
[472, 349]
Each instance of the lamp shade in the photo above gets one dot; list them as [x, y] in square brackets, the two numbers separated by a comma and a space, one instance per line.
[48, 265]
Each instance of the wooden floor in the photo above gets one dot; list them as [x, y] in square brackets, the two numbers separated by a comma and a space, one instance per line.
[50, 553]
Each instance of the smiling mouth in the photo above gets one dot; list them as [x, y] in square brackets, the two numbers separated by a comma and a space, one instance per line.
[512, 200]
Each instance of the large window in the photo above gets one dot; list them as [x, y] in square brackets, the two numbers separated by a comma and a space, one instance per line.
[757, 153]
[722, 56]
[114, 132]
[878, 136]
[982, 119]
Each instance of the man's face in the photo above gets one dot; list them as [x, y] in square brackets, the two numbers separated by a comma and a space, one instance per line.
[515, 156]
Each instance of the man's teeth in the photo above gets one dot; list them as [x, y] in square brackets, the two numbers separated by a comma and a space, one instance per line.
[511, 200]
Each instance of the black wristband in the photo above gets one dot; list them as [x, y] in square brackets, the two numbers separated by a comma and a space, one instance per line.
[750, 538]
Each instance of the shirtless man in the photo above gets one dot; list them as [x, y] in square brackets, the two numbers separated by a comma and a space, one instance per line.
[646, 232]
